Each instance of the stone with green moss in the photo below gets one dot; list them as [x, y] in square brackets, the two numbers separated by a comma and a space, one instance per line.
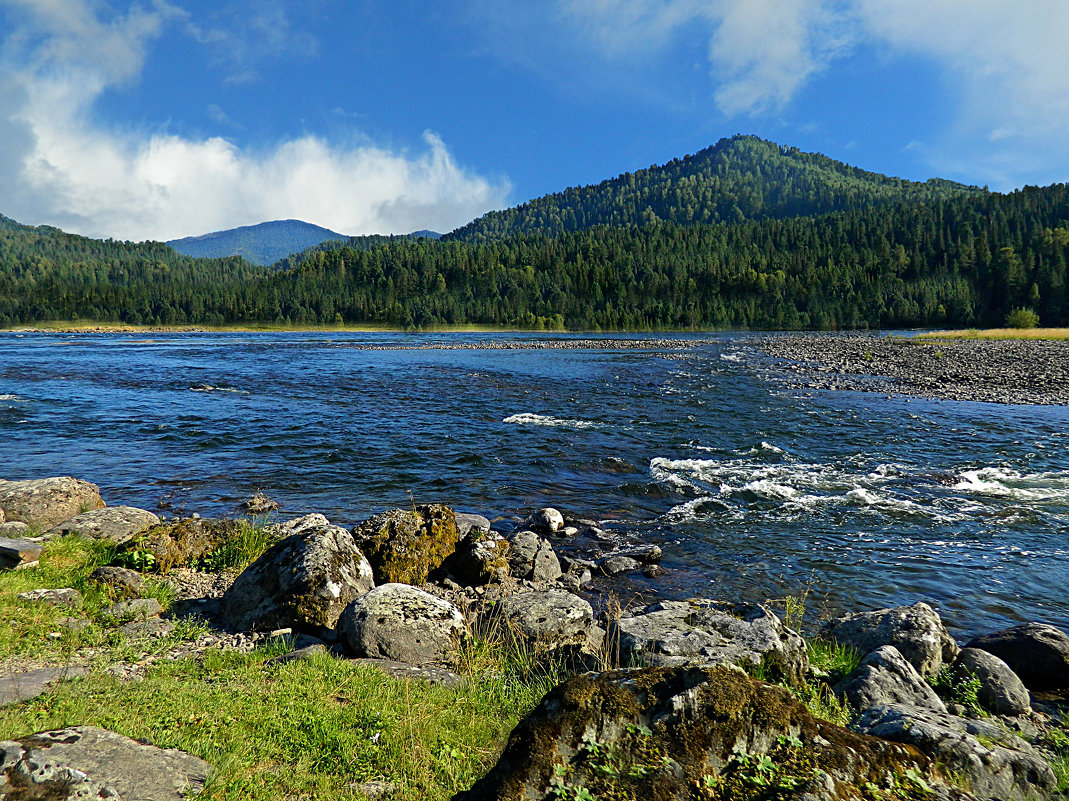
[405, 546]
[691, 733]
[177, 543]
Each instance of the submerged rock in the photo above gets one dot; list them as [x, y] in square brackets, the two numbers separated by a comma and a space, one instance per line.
[116, 524]
[703, 632]
[86, 762]
[406, 545]
[304, 582]
[46, 502]
[1036, 652]
[916, 631]
[681, 733]
[403, 623]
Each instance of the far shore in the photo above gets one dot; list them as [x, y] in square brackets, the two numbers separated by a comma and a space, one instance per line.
[999, 333]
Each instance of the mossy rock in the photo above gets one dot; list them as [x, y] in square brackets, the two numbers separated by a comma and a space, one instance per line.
[404, 546]
[176, 543]
[691, 733]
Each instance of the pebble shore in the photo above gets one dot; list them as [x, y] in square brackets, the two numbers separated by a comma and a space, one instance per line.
[988, 371]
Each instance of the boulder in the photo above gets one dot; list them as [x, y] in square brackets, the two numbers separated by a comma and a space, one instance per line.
[546, 522]
[995, 764]
[687, 733]
[1001, 690]
[885, 677]
[1036, 652]
[614, 565]
[481, 557]
[468, 522]
[47, 502]
[582, 570]
[703, 632]
[119, 582]
[532, 558]
[15, 529]
[406, 545]
[547, 619]
[916, 631]
[63, 596]
[304, 582]
[298, 525]
[177, 543]
[403, 623]
[19, 553]
[87, 762]
[32, 683]
[112, 523]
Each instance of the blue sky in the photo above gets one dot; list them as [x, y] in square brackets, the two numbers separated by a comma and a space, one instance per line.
[169, 118]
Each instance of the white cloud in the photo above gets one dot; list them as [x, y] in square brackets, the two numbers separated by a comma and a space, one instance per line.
[58, 165]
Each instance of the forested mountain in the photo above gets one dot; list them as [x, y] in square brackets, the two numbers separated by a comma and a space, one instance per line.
[956, 260]
[262, 244]
[736, 180]
[363, 242]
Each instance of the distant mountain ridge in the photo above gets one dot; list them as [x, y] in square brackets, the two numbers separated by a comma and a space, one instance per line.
[738, 179]
[263, 244]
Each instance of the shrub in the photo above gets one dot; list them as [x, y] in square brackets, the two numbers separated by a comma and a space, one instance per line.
[1022, 318]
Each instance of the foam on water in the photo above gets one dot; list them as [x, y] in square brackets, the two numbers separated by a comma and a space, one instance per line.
[1013, 485]
[12, 398]
[210, 388]
[529, 419]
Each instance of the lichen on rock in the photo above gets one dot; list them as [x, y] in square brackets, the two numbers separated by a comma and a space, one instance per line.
[406, 545]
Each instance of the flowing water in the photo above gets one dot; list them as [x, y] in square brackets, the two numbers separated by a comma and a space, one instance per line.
[755, 489]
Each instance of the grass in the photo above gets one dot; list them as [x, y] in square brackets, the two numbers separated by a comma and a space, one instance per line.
[313, 729]
[999, 333]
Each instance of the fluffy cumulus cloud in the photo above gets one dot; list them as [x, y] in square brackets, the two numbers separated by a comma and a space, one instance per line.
[61, 166]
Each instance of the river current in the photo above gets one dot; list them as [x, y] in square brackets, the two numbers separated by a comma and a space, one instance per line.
[754, 488]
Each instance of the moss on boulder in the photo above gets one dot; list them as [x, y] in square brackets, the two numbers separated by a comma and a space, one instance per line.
[404, 546]
[691, 733]
[176, 543]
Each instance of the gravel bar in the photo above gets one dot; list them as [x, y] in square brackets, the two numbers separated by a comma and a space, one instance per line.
[1014, 371]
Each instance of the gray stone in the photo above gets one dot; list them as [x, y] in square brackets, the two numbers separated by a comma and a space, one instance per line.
[298, 525]
[136, 608]
[15, 529]
[916, 631]
[885, 677]
[646, 554]
[467, 522]
[86, 762]
[112, 523]
[147, 628]
[703, 632]
[1001, 690]
[47, 502]
[63, 596]
[299, 655]
[481, 557]
[581, 569]
[432, 674]
[549, 618]
[997, 765]
[546, 521]
[533, 558]
[614, 565]
[19, 553]
[663, 731]
[31, 683]
[403, 623]
[1036, 652]
[120, 582]
[304, 582]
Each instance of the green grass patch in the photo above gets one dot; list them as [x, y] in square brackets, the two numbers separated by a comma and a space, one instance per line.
[998, 333]
[312, 729]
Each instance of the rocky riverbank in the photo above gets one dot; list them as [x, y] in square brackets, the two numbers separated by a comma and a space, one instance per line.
[703, 698]
[989, 371]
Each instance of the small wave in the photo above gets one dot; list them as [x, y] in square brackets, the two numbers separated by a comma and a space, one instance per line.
[210, 388]
[731, 357]
[528, 419]
[12, 398]
[1007, 483]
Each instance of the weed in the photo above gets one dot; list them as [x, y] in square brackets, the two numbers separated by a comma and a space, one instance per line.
[834, 660]
[955, 688]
